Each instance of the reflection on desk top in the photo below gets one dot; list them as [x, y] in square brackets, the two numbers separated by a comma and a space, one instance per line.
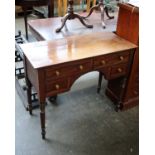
[44, 29]
[46, 53]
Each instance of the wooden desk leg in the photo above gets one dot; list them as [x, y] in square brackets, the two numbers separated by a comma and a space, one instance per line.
[29, 93]
[119, 105]
[42, 119]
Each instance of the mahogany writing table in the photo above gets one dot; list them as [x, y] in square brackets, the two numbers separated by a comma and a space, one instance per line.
[53, 66]
[126, 25]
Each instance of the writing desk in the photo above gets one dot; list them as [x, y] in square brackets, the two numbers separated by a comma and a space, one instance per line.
[53, 66]
[125, 25]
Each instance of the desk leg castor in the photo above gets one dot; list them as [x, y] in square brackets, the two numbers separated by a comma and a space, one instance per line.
[118, 107]
[43, 134]
[52, 99]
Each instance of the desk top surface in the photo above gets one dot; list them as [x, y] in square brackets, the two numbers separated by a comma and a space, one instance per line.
[45, 28]
[77, 47]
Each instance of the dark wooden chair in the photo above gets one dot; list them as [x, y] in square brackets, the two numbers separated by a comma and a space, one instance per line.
[25, 4]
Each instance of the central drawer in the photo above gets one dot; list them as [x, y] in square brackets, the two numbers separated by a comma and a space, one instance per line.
[69, 69]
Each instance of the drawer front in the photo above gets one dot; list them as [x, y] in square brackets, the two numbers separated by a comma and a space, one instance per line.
[69, 69]
[112, 59]
[118, 70]
[57, 86]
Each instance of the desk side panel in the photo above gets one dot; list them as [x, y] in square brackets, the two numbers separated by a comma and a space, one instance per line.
[32, 75]
[132, 91]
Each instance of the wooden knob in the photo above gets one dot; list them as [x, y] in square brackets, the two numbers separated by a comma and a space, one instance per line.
[57, 73]
[57, 86]
[103, 62]
[119, 70]
[121, 58]
[81, 67]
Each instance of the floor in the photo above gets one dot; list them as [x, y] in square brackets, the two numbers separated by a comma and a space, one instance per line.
[82, 123]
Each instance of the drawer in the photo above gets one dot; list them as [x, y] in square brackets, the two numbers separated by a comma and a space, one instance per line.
[60, 85]
[118, 70]
[69, 69]
[111, 59]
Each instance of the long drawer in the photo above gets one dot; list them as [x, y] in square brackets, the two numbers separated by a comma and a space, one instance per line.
[108, 60]
[69, 69]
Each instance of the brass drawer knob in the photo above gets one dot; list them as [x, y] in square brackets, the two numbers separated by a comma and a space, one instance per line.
[103, 62]
[119, 70]
[57, 86]
[121, 58]
[81, 67]
[57, 73]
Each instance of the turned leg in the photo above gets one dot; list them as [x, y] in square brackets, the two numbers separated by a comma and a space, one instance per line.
[42, 119]
[99, 82]
[29, 93]
[81, 20]
[107, 13]
[119, 104]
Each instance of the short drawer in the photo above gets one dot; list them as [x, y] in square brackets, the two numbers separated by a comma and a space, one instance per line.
[57, 86]
[118, 70]
[69, 69]
[111, 59]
